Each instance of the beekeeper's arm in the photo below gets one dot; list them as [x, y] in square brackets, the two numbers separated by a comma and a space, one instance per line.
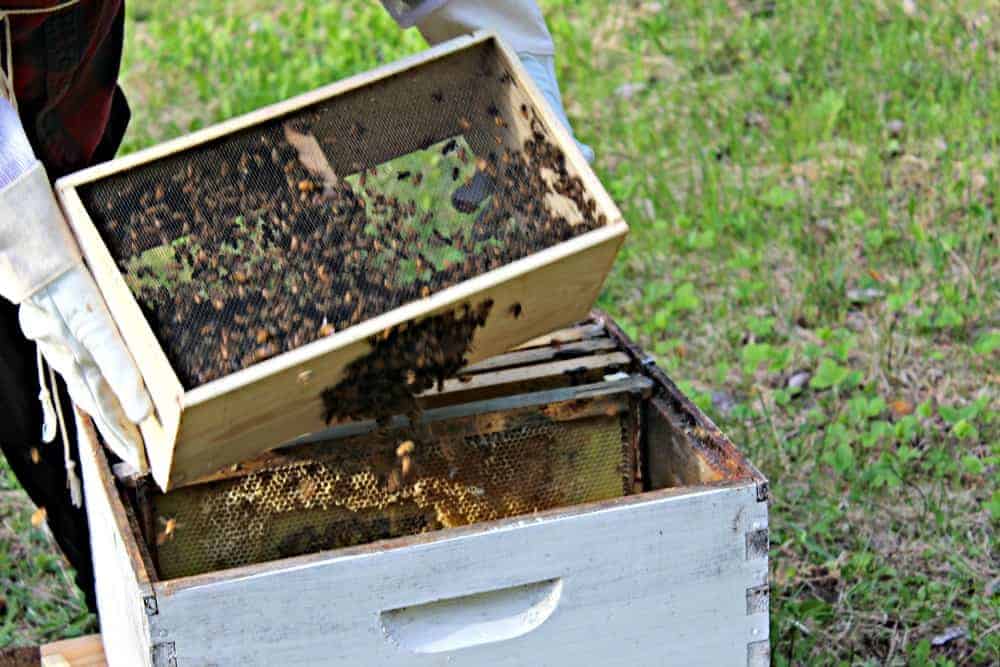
[518, 22]
[61, 309]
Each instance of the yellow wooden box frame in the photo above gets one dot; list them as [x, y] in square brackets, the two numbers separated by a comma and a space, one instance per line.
[198, 431]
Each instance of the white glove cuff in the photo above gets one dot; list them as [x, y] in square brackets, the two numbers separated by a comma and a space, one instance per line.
[36, 244]
[520, 23]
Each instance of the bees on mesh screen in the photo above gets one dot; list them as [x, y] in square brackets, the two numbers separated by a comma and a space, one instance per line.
[239, 251]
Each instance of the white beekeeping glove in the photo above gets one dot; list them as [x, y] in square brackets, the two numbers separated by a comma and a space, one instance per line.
[518, 22]
[61, 309]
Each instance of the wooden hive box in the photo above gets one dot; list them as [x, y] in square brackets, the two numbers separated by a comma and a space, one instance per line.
[662, 561]
[234, 370]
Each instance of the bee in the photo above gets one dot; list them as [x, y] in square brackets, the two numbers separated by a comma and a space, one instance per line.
[464, 122]
[516, 310]
[418, 178]
[455, 172]
[524, 112]
[262, 336]
[449, 147]
[403, 175]
[265, 352]
[437, 96]
[35, 456]
[169, 531]
[307, 489]
[463, 156]
[326, 329]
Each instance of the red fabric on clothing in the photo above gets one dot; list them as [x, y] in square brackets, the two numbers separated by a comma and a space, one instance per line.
[66, 64]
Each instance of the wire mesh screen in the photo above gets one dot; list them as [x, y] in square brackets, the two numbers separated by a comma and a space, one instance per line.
[309, 223]
[367, 488]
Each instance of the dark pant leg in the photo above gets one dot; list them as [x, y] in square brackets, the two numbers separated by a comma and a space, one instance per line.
[20, 431]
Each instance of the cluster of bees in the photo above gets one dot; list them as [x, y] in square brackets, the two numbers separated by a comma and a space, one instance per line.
[263, 257]
[405, 361]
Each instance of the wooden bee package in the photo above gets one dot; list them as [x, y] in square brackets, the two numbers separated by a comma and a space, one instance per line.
[562, 503]
[332, 256]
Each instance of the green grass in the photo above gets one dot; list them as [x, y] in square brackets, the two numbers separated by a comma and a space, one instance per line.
[38, 600]
[812, 188]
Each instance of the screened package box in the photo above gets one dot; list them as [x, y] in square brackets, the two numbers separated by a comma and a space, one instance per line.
[283, 270]
[560, 504]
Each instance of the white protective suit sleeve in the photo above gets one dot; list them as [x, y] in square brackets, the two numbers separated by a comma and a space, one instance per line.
[61, 309]
[408, 12]
[519, 23]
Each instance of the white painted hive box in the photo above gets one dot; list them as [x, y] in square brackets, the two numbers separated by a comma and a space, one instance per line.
[255, 267]
[669, 568]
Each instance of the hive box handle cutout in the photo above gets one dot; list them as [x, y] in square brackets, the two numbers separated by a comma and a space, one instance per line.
[472, 620]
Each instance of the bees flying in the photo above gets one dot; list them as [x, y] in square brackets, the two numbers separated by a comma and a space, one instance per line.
[168, 532]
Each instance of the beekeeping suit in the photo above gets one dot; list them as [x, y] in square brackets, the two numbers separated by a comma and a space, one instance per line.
[518, 22]
[61, 309]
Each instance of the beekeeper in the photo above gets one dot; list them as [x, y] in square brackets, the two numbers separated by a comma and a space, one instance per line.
[61, 110]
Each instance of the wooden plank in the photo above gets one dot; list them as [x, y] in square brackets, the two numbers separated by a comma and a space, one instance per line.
[563, 336]
[658, 579]
[122, 582]
[673, 460]
[78, 652]
[541, 355]
[524, 378]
